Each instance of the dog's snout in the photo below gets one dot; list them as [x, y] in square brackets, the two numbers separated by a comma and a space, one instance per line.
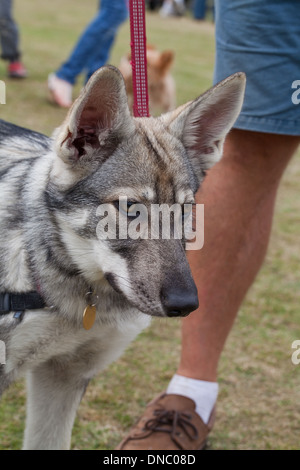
[179, 302]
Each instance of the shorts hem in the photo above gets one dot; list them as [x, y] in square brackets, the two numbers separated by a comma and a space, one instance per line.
[267, 125]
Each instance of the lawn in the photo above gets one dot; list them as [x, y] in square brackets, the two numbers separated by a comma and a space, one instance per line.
[259, 399]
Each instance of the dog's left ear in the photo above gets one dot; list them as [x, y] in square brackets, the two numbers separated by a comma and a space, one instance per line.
[97, 122]
[203, 124]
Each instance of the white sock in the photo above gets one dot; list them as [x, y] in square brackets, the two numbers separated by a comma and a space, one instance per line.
[203, 393]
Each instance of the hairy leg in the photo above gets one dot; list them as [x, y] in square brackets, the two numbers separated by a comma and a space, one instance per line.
[239, 194]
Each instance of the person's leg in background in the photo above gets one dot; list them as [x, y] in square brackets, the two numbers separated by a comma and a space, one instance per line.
[100, 56]
[91, 51]
[10, 41]
[199, 9]
[239, 194]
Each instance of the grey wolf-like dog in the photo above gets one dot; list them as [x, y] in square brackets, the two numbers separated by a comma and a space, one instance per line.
[50, 189]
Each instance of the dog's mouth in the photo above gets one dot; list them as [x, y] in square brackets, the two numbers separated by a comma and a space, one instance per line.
[137, 297]
[169, 304]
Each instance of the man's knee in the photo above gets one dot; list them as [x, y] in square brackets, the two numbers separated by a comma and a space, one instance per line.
[268, 154]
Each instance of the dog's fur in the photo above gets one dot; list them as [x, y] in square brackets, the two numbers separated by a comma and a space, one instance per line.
[50, 191]
[161, 84]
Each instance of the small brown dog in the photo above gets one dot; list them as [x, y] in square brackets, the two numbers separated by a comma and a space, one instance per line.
[161, 84]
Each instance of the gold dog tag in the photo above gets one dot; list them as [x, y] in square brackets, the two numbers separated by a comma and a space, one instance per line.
[89, 316]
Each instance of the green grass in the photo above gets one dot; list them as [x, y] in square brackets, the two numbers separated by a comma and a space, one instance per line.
[259, 401]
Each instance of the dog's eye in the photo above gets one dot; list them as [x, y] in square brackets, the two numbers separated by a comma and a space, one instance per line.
[128, 208]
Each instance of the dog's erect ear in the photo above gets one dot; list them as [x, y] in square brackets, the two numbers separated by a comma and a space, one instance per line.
[203, 124]
[98, 120]
[165, 62]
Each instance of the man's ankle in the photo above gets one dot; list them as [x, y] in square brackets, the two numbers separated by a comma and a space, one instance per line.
[202, 392]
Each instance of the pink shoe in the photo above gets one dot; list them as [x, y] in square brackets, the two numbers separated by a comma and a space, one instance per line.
[16, 70]
[60, 91]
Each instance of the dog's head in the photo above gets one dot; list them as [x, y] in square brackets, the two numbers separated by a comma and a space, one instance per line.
[111, 170]
[161, 85]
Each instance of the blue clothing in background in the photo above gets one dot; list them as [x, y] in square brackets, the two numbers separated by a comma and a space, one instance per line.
[93, 48]
[262, 39]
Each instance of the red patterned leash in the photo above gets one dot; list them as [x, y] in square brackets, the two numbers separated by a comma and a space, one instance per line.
[139, 58]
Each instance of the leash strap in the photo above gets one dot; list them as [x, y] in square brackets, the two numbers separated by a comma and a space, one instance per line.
[139, 58]
[20, 302]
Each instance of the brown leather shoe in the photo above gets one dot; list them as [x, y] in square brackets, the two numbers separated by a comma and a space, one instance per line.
[169, 423]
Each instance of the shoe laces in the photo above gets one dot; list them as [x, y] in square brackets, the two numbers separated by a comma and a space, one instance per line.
[170, 421]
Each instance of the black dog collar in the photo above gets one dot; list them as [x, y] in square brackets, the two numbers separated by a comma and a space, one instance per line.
[20, 302]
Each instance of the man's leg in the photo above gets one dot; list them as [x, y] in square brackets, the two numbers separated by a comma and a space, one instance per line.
[239, 195]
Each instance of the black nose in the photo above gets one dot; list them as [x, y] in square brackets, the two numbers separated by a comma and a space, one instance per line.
[179, 302]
